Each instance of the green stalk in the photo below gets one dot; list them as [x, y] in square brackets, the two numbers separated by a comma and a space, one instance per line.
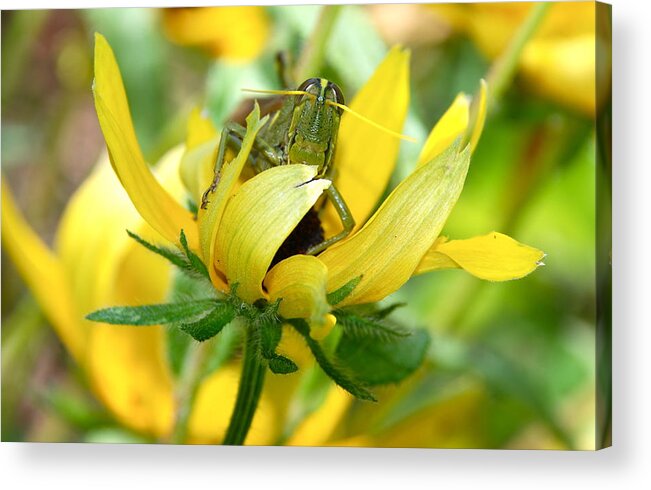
[311, 61]
[248, 393]
[503, 70]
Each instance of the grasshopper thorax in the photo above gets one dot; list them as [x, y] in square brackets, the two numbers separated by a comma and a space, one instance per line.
[315, 123]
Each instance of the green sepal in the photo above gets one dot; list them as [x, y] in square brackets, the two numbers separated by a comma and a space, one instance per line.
[211, 324]
[153, 314]
[343, 292]
[172, 255]
[282, 365]
[335, 372]
[378, 363]
[195, 262]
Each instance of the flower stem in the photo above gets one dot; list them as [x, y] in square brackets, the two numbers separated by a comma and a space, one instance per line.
[503, 70]
[311, 61]
[248, 394]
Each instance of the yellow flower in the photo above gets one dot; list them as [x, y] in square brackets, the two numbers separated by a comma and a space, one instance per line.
[558, 62]
[240, 231]
[235, 33]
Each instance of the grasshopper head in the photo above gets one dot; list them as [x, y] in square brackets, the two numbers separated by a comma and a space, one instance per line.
[321, 90]
[315, 123]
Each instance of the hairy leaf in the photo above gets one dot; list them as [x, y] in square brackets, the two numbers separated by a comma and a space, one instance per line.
[211, 324]
[336, 373]
[153, 314]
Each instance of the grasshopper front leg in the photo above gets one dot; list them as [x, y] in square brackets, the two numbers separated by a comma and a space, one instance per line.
[345, 215]
[232, 137]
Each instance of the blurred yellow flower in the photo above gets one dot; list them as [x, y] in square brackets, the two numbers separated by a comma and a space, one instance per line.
[558, 62]
[235, 33]
[96, 264]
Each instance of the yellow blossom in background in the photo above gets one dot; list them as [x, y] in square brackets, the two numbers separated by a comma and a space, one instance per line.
[234, 33]
[558, 61]
[95, 264]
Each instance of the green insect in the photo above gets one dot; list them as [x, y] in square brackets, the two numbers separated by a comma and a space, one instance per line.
[303, 130]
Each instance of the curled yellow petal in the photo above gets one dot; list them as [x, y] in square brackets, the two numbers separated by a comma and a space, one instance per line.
[154, 204]
[238, 33]
[258, 219]
[210, 218]
[389, 247]
[366, 156]
[494, 257]
[300, 281]
[451, 125]
[43, 273]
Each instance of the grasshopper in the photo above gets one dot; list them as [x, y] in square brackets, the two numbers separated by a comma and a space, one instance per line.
[302, 131]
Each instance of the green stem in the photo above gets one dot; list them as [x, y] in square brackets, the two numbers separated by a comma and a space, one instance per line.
[503, 70]
[248, 394]
[311, 61]
[193, 373]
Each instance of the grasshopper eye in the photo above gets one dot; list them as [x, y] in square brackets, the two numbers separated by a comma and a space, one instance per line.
[312, 86]
[334, 94]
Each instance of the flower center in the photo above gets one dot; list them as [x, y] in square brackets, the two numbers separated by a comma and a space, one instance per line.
[307, 233]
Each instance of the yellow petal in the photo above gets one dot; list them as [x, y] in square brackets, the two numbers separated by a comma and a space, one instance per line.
[494, 257]
[155, 205]
[366, 156]
[198, 162]
[258, 219]
[480, 116]
[43, 273]
[300, 281]
[451, 125]
[214, 406]
[317, 428]
[197, 167]
[232, 32]
[200, 129]
[389, 247]
[210, 218]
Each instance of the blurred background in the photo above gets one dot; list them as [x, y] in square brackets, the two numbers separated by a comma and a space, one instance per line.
[511, 365]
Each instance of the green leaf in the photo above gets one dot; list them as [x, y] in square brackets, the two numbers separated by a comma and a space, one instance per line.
[195, 262]
[377, 363]
[270, 334]
[152, 314]
[211, 324]
[282, 365]
[336, 373]
[171, 255]
[343, 292]
[368, 328]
